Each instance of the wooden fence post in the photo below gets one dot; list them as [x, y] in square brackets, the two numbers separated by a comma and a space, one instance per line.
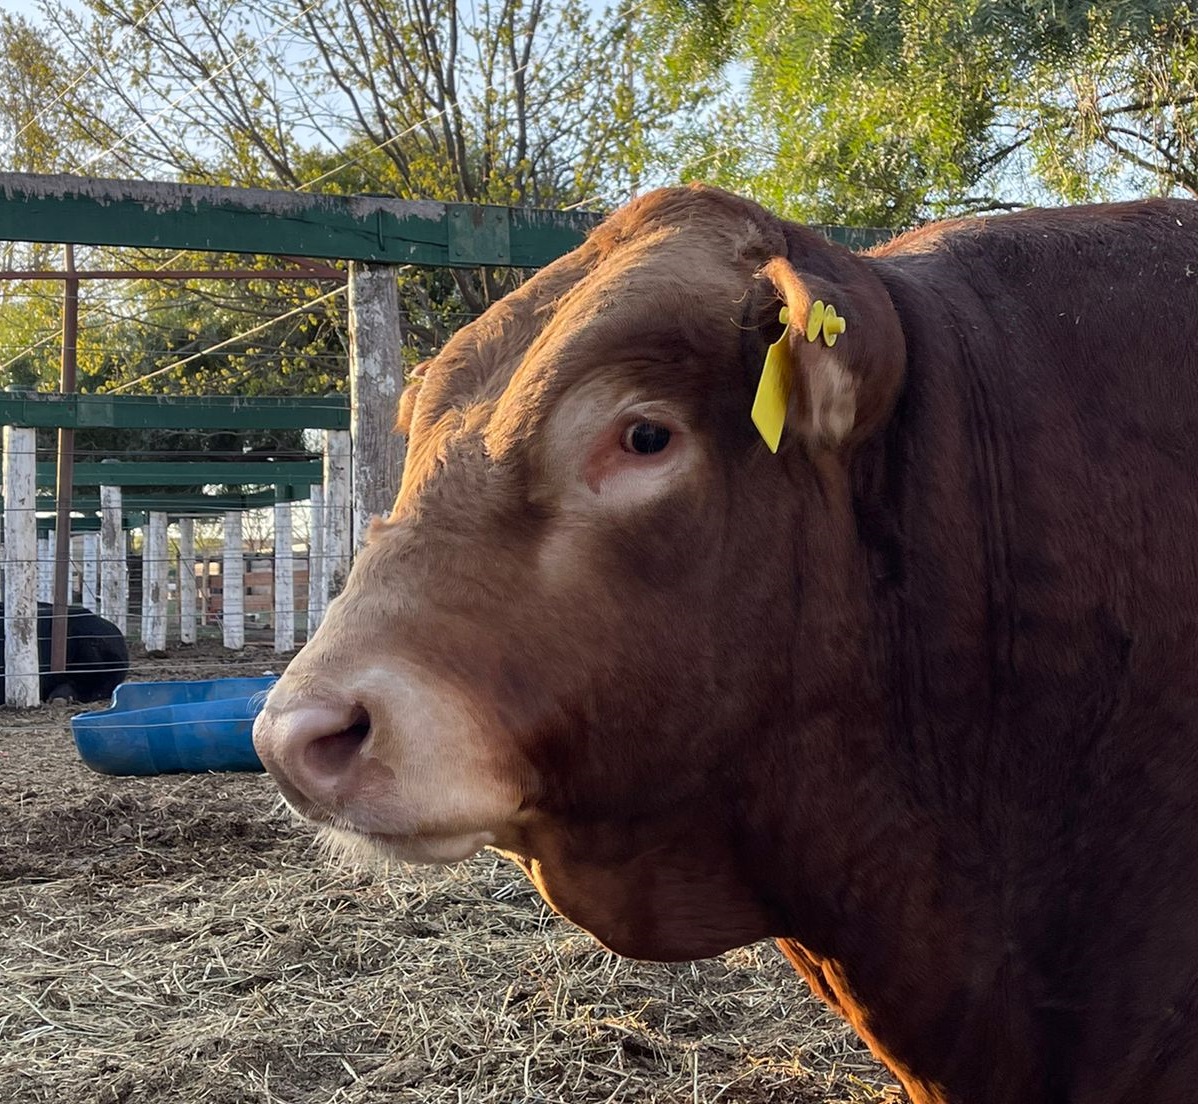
[88, 593]
[22, 681]
[285, 580]
[317, 590]
[154, 583]
[376, 379]
[114, 581]
[75, 568]
[185, 580]
[206, 615]
[45, 566]
[233, 589]
[337, 511]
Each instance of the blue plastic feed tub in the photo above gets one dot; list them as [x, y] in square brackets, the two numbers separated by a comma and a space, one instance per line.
[167, 727]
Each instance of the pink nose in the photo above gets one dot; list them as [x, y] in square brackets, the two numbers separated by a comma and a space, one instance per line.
[312, 750]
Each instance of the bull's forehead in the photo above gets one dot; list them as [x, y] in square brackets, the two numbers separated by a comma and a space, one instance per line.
[645, 323]
[670, 288]
[656, 295]
[665, 298]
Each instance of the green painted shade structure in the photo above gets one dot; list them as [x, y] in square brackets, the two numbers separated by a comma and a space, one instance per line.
[53, 411]
[285, 481]
[372, 229]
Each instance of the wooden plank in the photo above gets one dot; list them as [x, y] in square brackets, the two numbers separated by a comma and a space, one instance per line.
[380, 229]
[56, 411]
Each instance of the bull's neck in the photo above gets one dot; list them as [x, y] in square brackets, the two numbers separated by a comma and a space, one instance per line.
[899, 938]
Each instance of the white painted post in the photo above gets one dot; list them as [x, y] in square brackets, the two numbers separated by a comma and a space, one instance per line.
[185, 577]
[45, 566]
[22, 681]
[337, 510]
[75, 569]
[233, 590]
[317, 590]
[376, 379]
[285, 580]
[205, 588]
[91, 563]
[114, 578]
[154, 583]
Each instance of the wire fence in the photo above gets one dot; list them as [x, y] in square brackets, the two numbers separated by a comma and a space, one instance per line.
[192, 594]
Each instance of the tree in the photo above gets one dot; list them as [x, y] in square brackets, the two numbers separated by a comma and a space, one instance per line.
[891, 111]
[31, 123]
[526, 102]
[538, 102]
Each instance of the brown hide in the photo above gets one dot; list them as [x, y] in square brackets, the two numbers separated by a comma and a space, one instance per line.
[915, 696]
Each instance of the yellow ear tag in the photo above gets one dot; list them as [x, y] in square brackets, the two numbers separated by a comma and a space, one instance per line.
[816, 316]
[771, 399]
[832, 325]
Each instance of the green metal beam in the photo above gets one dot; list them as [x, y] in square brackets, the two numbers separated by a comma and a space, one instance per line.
[177, 504]
[187, 473]
[382, 230]
[229, 412]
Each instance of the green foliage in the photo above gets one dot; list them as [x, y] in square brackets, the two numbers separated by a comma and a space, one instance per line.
[885, 112]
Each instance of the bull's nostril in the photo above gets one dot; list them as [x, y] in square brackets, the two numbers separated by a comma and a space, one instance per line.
[332, 754]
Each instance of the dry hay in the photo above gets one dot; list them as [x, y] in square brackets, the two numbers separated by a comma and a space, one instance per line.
[180, 939]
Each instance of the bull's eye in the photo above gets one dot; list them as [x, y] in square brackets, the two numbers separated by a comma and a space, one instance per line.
[645, 438]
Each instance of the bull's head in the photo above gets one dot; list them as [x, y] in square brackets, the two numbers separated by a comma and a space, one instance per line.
[605, 629]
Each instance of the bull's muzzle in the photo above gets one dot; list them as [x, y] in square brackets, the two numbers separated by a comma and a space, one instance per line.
[312, 750]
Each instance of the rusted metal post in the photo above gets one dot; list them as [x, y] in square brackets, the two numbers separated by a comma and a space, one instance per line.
[66, 469]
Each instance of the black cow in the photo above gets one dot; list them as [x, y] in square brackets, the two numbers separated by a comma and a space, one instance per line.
[97, 655]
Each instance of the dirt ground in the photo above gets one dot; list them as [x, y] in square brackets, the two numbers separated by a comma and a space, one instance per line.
[179, 939]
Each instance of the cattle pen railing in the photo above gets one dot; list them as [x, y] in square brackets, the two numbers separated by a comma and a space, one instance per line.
[114, 507]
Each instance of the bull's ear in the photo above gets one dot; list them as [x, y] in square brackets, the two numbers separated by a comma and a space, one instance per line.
[824, 377]
[408, 398]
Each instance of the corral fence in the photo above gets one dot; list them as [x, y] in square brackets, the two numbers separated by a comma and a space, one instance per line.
[360, 455]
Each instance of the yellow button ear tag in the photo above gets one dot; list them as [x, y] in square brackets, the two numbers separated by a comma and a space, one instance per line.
[831, 325]
[816, 316]
[774, 388]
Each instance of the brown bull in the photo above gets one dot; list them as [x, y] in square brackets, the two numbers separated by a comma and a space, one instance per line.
[914, 695]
